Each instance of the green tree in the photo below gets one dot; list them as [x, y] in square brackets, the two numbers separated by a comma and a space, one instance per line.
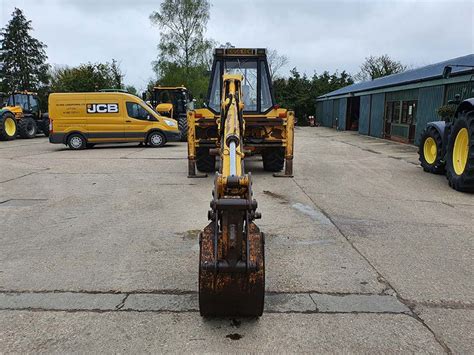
[87, 77]
[23, 57]
[298, 92]
[376, 67]
[185, 56]
[182, 24]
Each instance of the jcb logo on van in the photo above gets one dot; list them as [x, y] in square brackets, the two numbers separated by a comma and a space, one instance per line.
[102, 108]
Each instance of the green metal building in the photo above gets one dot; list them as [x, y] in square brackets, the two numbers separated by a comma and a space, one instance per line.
[397, 106]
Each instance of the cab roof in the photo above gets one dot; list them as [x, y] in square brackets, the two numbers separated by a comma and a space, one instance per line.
[240, 52]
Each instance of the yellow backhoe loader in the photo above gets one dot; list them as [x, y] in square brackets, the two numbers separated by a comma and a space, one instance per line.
[241, 119]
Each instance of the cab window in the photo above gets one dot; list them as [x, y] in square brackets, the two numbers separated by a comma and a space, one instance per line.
[135, 110]
[34, 106]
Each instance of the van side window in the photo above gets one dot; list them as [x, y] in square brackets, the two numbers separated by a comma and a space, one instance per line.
[135, 110]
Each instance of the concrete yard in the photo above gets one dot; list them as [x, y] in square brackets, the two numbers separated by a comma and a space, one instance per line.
[364, 251]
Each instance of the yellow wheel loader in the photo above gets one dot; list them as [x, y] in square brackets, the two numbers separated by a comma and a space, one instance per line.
[22, 116]
[241, 119]
[173, 102]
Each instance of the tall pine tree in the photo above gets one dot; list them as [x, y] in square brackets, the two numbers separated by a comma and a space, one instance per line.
[23, 57]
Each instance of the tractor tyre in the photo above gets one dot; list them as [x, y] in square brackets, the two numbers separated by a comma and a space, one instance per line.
[273, 159]
[430, 151]
[205, 162]
[45, 126]
[8, 127]
[183, 128]
[27, 128]
[460, 154]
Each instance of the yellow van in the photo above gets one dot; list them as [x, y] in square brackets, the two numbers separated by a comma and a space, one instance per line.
[81, 120]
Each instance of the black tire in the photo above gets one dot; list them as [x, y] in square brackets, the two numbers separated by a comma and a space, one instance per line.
[45, 126]
[156, 139]
[27, 128]
[90, 145]
[465, 180]
[205, 162]
[4, 134]
[183, 128]
[273, 159]
[76, 141]
[438, 165]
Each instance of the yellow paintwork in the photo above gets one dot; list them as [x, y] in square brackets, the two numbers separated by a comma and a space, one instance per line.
[430, 151]
[10, 127]
[166, 109]
[461, 151]
[232, 88]
[68, 113]
[16, 110]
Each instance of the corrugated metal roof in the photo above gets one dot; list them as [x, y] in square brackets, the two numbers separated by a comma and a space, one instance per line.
[414, 75]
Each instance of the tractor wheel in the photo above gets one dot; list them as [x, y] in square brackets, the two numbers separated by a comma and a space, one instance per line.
[204, 161]
[27, 128]
[8, 127]
[430, 151]
[183, 128]
[45, 126]
[273, 159]
[460, 154]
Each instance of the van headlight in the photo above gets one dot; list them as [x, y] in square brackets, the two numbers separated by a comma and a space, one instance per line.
[170, 123]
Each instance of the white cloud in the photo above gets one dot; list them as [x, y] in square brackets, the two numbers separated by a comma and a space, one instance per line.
[315, 35]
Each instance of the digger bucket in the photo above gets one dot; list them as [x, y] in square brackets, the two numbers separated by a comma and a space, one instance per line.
[236, 289]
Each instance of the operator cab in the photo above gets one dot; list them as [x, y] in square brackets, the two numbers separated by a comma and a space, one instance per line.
[256, 86]
[179, 97]
[27, 101]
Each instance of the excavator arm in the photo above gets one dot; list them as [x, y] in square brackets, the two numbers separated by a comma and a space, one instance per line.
[232, 269]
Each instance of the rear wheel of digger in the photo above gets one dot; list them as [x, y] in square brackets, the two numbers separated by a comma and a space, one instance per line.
[27, 128]
[430, 151]
[205, 162]
[183, 128]
[231, 294]
[8, 127]
[273, 159]
[460, 154]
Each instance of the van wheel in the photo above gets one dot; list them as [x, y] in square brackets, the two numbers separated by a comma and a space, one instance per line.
[76, 142]
[156, 139]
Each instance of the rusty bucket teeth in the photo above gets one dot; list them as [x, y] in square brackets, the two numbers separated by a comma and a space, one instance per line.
[231, 291]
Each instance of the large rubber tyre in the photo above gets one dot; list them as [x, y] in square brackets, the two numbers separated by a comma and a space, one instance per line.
[156, 139]
[8, 127]
[183, 128]
[430, 151]
[273, 159]
[76, 141]
[45, 126]
[204, 161]
[460, 154]
[27, 128]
